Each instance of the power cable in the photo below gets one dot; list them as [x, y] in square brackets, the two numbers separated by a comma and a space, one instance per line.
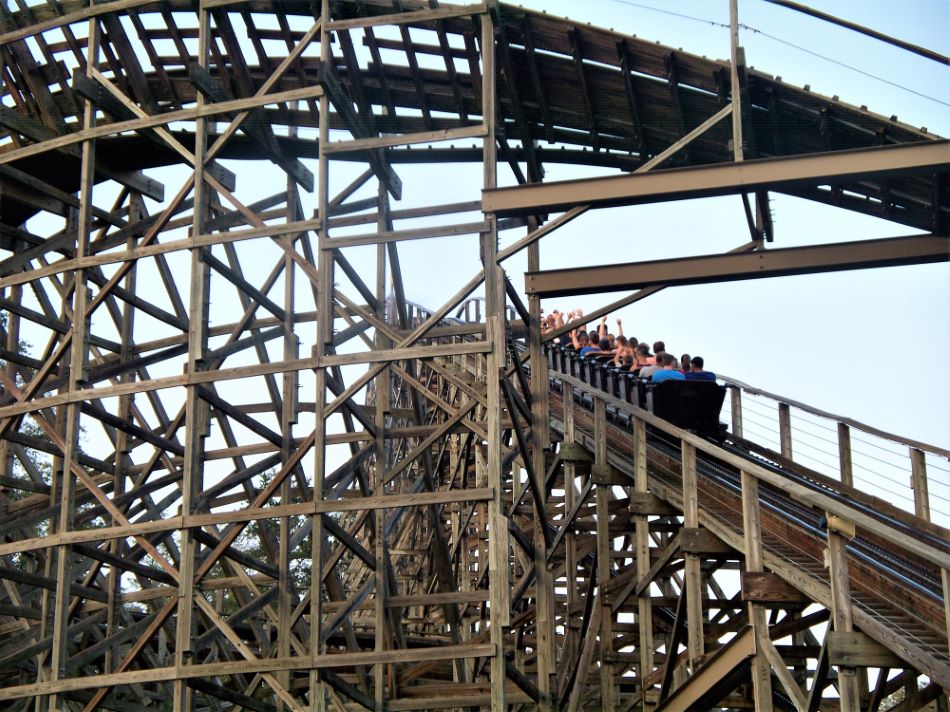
[755, 30]
[842, 64]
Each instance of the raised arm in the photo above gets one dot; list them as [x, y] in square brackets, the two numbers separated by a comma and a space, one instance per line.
[574, 340]
[619, 328]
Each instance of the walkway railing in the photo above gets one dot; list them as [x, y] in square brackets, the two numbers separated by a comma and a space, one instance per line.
[911, 475]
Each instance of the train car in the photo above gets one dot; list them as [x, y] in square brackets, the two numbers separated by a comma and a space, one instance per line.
[691, 405]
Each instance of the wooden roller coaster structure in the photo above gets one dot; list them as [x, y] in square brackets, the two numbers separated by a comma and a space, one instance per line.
[241, 470]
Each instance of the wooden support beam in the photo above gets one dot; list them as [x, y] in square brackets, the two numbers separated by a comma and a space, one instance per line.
[408, 17]
[331, 84]
[714, 678]
[693, 579]
[647, 503]
[256, 126]
[721, 179]
[242, 667]
[633, 101]
[673, 87]
[577, 55]
[703, 542]
[710, 269]
[147, 122]
[608, 683]
[854, 649]
[767, 588]
[842, 615]
[35, 131]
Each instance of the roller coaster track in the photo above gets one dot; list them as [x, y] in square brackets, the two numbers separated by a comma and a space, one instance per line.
[894, 559]
[238, 470]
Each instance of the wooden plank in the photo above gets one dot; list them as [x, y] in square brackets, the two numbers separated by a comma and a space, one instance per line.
[421, 233]
[362, 144]
[190, 114]
[766, 587]
[411, 17]
[607, 475]
[693, 570]
[702, 542]
[242, 667]
[713, 670]
[855, 649]
[648, 504]
[789, 683]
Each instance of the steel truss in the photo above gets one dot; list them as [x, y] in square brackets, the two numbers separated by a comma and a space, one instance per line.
[242, 470]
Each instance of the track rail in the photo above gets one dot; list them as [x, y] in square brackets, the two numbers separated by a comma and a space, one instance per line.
[895, 558]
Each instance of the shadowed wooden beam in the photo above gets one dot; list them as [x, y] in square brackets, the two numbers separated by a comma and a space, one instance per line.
[722, 179]
[733, 267]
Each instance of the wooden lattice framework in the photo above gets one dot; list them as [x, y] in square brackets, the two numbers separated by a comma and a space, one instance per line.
[216, 496]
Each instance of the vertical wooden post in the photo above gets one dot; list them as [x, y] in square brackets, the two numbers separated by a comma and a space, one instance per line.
[694, 580]
[196, 411]
[785, 429]
[607, 687]
[121, 462]
[13, 346]
[752, 533]
[324, 342]
[918, 464]
[78, 361]
[12, 325]
[945, 579]
[736, 56]
[540, 439]
[841, 615]
[500, 598]
[844, 454]
[380, 463]
[495, 333]
[572, 624]
[288, 418]
[644, 603]
[736, 407]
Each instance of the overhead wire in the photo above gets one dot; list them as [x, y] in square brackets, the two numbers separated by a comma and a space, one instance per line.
[756, 30]
[845, 65]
